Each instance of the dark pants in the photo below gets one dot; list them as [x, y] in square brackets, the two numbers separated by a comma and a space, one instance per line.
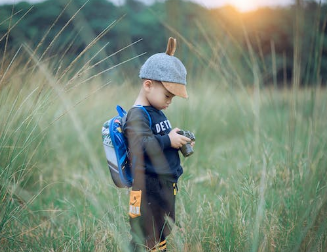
[150, 226]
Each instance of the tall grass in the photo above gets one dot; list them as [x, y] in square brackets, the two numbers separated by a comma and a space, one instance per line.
[52, 179]
[255, 183]
[234, 195]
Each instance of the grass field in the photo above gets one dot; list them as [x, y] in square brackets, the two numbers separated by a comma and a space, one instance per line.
[257, 180]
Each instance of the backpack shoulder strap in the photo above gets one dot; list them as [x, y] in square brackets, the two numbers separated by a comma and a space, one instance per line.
[143, 108]
[121, 111]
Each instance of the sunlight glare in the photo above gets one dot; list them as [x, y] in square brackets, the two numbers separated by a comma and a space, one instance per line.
[245, 6]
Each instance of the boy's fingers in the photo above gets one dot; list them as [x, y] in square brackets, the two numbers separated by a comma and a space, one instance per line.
[186, 139]
[176, 130]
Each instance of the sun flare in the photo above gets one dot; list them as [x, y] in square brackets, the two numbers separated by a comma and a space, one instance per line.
[244, 6]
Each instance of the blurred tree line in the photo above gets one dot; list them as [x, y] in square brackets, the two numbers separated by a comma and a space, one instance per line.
[207, 38]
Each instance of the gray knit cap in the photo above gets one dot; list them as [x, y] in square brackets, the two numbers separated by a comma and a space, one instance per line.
[168, 69]
[163, 67]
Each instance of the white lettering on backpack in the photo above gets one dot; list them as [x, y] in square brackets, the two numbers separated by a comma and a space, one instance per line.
[163, 126]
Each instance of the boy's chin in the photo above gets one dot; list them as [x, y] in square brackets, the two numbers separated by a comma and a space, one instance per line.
[160, 107]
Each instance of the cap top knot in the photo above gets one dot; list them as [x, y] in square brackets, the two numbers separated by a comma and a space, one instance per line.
[171, 46]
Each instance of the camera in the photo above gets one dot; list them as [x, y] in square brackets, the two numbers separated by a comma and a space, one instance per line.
[187, 149]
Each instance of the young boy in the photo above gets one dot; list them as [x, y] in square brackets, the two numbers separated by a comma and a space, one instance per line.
[154, 151]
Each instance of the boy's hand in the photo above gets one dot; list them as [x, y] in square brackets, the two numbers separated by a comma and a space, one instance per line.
[177, 140]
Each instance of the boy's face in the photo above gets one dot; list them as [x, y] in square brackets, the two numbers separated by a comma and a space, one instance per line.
[158, 96]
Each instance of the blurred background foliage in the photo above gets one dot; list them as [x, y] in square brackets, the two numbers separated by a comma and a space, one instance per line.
[207, 37]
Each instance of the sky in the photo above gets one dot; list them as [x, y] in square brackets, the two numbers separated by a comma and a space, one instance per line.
[241, 5]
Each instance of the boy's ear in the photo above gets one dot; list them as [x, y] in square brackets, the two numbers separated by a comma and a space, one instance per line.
[147, 84]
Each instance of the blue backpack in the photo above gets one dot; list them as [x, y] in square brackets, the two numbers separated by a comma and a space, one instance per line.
[116, 148]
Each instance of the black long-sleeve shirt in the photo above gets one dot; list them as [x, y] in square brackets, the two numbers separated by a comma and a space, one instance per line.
[150, 147]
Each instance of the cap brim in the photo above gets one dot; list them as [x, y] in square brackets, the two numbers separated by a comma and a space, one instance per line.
[176, 88]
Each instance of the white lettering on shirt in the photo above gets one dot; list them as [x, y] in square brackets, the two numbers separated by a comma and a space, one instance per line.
[158, 128]
[163, 126]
